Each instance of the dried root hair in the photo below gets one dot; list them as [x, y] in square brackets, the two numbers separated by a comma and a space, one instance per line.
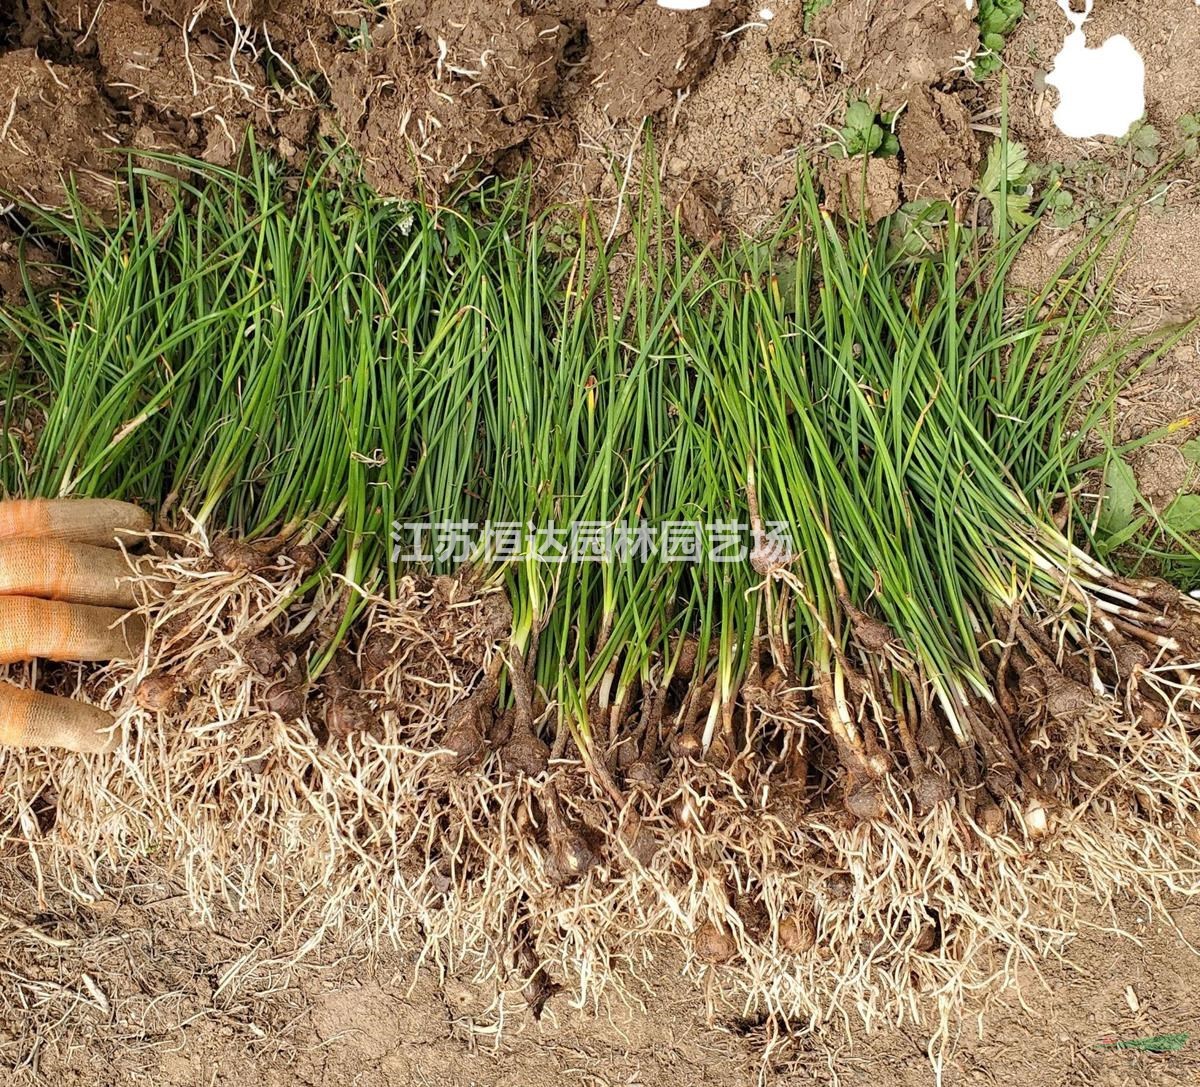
[375, 803]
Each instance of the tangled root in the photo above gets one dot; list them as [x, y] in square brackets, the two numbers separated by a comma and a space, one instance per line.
[390, 799]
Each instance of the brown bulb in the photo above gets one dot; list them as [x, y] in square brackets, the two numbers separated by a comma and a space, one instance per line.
[864, 801]
[713, 944]
[798, 931]
[238, 556]
[158, 693]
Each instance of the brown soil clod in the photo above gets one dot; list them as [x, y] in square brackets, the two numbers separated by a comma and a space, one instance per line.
[864, 800]
[889, 50]
[839, 886]
[639, 59]
[501, 727]
[990, 818]
[644, 774]
[1001, 779]
[930, 735]
[263, 654]
[929, 790]
[20, 257]
[640, 841]
[874, 635]
[525, 752]
[928, 938]
[155, 70]
[687, 744]
[349, 713]
[1151, 716]
[496, 617]
[1069, 702]
[538, 990]
[859, 188]
[470, 722]
[346, 709]
[464, 738]
[305, 557]
[413, 120]
[56, 123]
[1131, 659]
[941, 153]
[377, 653]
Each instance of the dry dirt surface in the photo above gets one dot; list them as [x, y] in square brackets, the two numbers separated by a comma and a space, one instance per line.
[143, 992]
[435, 92]
[432, 93]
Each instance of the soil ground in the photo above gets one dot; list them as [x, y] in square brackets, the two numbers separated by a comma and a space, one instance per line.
[148, 994]
[431, 93]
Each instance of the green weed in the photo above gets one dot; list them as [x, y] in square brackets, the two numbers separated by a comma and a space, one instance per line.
[866, 132]
[997, 19]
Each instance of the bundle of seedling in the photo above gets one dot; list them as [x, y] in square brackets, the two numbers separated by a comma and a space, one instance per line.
[546, 597]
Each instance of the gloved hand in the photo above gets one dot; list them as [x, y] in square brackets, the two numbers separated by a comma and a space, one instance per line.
[65, 591]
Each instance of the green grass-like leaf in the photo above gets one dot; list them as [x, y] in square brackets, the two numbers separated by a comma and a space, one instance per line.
[1157, 1043]
[275, 353]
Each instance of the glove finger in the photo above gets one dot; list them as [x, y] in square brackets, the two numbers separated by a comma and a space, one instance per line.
[96, 521]
[33, 719]
[56, 570]
[60, 631]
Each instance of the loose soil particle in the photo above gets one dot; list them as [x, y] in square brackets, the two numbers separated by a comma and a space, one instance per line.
[153, 70]
[641, 58]
[890, 50]
[53, 121]
[941, 153]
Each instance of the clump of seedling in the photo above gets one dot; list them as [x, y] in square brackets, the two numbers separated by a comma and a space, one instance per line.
[997, 19]
[811, 9]
[358, 37]
[1144, 142]
[788, 63]
[1188, 127]
[1080, 191]
[1129, 526]
[866, 131]
[1156, 1043]
[1070, 192]
[916, 227]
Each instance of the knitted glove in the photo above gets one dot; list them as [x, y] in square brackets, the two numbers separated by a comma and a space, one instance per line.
[65, 591]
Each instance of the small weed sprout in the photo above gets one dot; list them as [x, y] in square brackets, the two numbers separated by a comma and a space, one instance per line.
[997, 19]
[866, 132]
